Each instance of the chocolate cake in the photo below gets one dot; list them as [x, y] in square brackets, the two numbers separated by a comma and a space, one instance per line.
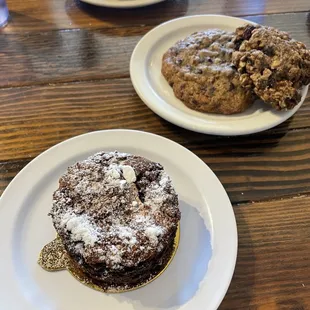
[117, 215]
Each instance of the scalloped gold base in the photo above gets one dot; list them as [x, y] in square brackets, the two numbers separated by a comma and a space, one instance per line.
[54, 257]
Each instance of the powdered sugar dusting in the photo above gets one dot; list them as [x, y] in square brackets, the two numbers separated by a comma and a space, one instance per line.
[113, 172]
[156, 195]
[115, 209]
[115, 255]
[129, 174]
[153, 232]
[80, 228]
[130, 235]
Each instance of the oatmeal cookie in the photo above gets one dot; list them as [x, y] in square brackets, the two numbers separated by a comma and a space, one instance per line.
[200, 70]
[271, 63]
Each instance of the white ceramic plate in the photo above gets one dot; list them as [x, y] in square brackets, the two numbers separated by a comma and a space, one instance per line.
[122, 3]
[154, 90]
[198, 276]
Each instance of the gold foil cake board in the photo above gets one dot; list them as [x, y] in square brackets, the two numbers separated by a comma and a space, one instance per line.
[54, 257]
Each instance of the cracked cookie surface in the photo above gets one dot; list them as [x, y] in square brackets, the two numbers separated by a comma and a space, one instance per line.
[272, 64]
[200, 71]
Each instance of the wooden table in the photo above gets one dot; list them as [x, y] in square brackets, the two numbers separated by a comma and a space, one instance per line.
[64, 68]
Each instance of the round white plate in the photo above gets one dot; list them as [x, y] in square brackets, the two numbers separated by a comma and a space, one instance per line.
[122, 3]
[199, 274]
[154, 90]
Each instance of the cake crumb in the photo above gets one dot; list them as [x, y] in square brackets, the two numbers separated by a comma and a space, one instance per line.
[80, 227]
[129, 174]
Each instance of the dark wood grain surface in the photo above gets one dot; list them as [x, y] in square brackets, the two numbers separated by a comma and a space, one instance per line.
[272, 270]
[33, 15]
[43, 57]
[266, 165]
[65, 71]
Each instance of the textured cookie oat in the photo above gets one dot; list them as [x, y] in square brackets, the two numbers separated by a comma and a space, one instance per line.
[272, 64]
[200, 70]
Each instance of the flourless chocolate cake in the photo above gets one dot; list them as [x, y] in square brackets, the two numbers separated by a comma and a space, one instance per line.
[117, 215]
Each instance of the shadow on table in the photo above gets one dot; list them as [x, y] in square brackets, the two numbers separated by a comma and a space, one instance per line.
[152, 14]
[240, 291]
[240, 157]
[231, 145]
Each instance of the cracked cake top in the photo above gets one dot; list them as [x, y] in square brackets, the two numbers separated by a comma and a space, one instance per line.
[115, 209]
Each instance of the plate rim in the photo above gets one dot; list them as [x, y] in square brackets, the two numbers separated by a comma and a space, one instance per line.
[232, 220]
[122, 4]
[146, 93]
